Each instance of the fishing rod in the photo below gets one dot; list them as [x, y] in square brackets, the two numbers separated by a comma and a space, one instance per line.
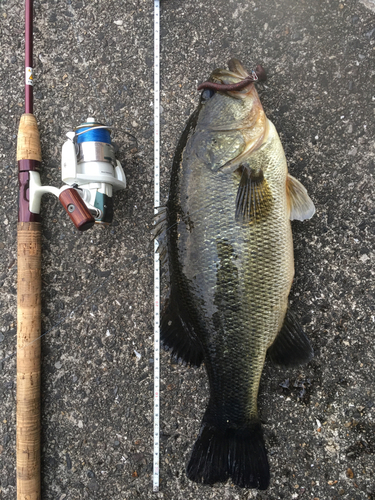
[91, 174]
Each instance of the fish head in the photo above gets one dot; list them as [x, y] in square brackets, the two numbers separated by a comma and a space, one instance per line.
[231, 120]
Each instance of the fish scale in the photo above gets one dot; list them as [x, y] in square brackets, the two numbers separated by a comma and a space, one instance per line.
[230, 255]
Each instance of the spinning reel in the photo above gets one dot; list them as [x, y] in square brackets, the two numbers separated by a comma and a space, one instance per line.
[91, 173]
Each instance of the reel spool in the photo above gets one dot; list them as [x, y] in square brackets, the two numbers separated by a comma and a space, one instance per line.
[91, 172]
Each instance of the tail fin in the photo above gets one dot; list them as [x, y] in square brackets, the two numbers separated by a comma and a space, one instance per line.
[236, 453]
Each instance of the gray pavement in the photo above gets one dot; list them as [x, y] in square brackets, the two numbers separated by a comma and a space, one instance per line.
[95, 58]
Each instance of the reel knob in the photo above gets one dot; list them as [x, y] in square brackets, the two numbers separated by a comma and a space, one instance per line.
[76, 208]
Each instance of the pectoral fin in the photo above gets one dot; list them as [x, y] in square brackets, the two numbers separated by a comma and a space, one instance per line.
[254, 198]
[301, 205]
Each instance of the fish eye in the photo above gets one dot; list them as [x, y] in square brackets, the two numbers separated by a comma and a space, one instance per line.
[207, 94]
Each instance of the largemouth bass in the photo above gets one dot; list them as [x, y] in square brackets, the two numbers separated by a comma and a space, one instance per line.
[227, 238]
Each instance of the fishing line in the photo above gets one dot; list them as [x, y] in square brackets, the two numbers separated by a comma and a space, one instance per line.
[94, 134]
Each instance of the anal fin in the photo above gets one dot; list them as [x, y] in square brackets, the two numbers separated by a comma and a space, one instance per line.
[291, 346]
[177, 334]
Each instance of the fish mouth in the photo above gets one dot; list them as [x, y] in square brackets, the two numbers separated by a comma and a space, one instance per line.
[237, 78]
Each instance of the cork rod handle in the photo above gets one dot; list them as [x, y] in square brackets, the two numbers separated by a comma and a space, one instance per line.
[28, 360]
[28, 141]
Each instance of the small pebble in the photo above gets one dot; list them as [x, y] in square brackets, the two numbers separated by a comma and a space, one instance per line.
[364, 258]
[138, 355]
[285, 384]
[68, 462]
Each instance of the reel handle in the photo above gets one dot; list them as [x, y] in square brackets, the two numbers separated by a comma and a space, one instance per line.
[76, 209]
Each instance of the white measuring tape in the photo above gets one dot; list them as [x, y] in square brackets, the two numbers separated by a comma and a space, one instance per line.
[155, 475]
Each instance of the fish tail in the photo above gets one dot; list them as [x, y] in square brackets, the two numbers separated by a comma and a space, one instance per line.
[236, 453]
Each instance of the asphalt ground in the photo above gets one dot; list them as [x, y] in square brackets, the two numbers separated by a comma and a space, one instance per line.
[96, 58]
